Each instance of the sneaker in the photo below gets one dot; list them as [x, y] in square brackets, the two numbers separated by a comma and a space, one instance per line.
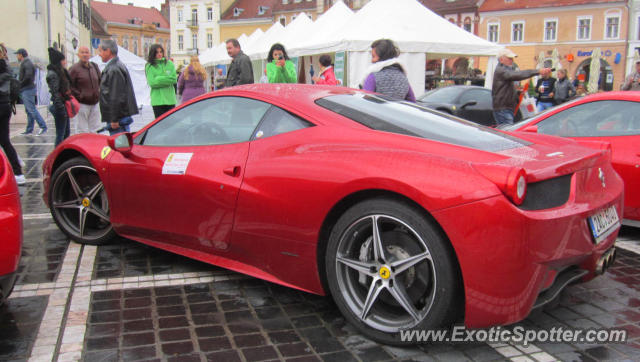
[26, 133]
[42, 131]
[20, 180]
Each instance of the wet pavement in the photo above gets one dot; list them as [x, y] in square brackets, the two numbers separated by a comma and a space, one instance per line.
[126, 301]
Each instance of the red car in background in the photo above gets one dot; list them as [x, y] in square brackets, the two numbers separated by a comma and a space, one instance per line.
[612, 117]
[409, 218]
[10, 228]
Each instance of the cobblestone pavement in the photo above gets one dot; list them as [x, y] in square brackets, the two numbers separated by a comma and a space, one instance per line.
[126, 301]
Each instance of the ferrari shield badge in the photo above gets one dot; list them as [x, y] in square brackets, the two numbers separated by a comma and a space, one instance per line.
[105, 152]
[176, 163]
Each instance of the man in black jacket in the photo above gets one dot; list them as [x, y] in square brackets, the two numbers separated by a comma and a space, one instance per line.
[240, 70]
[117, 99]
[504, 92]
[28, 92]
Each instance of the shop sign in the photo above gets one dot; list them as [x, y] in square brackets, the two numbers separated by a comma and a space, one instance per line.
[606, 53]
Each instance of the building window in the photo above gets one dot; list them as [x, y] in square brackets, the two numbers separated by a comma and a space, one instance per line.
[285, 2]
[194, 41]
[194, 16]
[550, 30]
[467, 24]
[180, 42]
[612, 27]
[125, 44]
[80, 15]
[493, 32]
[180, 17]
[209, 40]
[135, 47]
[210, 14]
[71, 9]
[584, 28]
[517, 32]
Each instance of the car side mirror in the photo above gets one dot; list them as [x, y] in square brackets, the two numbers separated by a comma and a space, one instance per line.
[468, 104]
[532, 129]
[121, 142]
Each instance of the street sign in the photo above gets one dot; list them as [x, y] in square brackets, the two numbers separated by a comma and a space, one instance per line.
[95, 42]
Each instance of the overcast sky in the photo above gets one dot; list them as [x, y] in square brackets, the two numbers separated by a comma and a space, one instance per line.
[141, 3]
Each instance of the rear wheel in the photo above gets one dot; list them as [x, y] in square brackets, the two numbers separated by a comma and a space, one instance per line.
[389, 270]
[79, 203]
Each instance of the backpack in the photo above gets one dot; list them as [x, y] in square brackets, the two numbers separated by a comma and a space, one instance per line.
[14, 93]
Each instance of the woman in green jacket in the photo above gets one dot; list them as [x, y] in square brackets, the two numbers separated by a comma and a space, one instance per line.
[279, 68]
[161, 76]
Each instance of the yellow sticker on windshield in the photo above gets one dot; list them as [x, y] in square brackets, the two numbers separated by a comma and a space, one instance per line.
[105, 152]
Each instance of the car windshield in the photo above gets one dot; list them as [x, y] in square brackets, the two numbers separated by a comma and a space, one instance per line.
[441, 95]
[383, 114]
[532, 120]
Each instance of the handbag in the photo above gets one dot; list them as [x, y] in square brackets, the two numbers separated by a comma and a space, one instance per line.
[72, 106]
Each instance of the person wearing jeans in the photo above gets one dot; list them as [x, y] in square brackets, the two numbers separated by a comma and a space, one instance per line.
[62, 123]
[59, 83]
[28, 92]
[5, 116]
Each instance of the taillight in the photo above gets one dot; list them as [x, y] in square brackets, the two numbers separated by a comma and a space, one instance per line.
[517, 186]
[511, 181]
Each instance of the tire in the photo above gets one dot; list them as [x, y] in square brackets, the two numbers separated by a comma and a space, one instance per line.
[416, 267]
[79, 203]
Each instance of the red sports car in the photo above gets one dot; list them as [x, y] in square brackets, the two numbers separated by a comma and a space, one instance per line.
[612, 117]
[10, 228]
[407, 218]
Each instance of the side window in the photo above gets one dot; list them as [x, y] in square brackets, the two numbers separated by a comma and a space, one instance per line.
[595, 119]
[212, 121]
[279, 121]
[477, 95]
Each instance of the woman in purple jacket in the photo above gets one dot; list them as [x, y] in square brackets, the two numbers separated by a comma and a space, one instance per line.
[190, 83]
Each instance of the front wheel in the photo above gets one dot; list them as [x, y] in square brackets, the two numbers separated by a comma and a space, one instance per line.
[79, 203]
[390, 270]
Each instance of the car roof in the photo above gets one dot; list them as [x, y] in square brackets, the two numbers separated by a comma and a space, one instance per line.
[297, 95]
[619, 95]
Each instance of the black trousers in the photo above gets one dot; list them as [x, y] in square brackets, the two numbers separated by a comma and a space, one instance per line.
[5, 139]
[160, 110]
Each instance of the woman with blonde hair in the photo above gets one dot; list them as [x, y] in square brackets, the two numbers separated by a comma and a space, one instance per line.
[190, 83]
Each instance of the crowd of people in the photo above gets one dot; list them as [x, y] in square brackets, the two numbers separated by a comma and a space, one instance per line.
[107, 97]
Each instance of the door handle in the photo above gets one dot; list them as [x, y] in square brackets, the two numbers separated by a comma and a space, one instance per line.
[232, 171]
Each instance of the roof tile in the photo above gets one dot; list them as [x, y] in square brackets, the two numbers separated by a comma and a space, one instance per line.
[124, 13]
[249, 10]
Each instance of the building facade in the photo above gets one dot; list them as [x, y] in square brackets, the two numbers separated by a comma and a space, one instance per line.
[131, 27]
[574, 28]
[633, 51]
[245, 16]
[37, 25]
[194, 27]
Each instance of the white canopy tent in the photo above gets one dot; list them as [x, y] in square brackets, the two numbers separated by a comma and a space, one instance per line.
[417, 31]
[325, 27]
[135, 65]
[294, 33]
[262, 45]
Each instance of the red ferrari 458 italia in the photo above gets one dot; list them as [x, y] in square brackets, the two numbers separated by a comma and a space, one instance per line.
[10, 227]
[612, 117]
[409, 219]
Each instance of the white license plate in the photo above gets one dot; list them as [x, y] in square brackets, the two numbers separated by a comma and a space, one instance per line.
[604, 223]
